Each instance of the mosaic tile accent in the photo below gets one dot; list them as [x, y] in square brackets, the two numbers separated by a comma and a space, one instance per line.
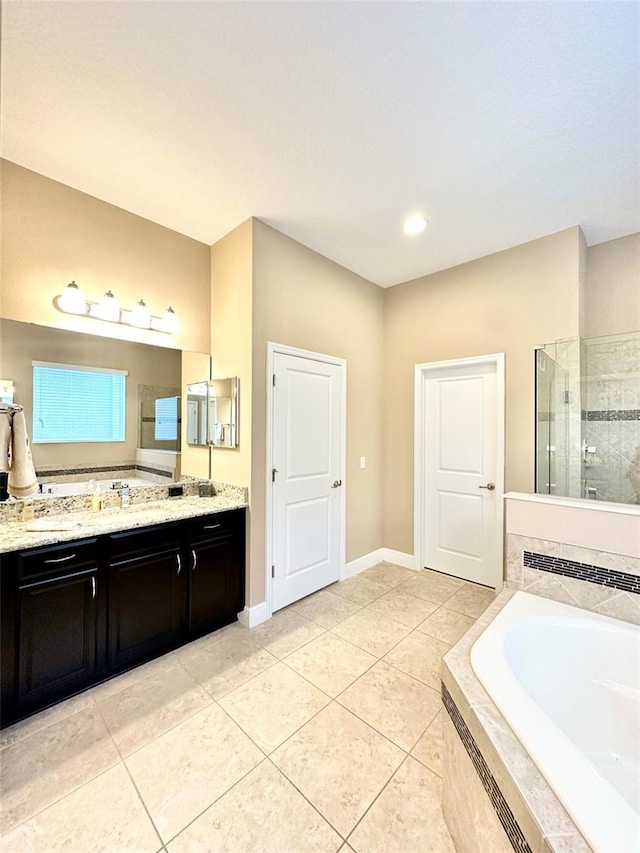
[612, 415]
[61, 472]
[582, 571]
[496, 797]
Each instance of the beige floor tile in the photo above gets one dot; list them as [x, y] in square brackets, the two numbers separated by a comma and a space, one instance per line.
[132, 677]
[271, 706]
[185, 770]
[430, 747]
[387, 574]
[471, 600]
[359, 590]
[338, 763]
[151, 706]
[263, 807]
[446, 625]
[420, 656]
[49, 764]
[374, 633]
[285, 632]
[104, 815]
[325, 608]
[401, 607]
[431, 586]
[407, 816]
[45, 718]
[226, 664]
[398, 706]
[330, 663]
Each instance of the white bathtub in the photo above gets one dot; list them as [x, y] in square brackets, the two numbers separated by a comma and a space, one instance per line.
[568, 683]
[85, 486]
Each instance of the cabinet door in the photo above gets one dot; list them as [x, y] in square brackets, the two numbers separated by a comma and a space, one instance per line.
[57, 648]
[144, 607]
[215, 567]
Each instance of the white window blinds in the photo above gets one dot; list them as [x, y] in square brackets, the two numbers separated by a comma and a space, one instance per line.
[166, 419]
[73, 403]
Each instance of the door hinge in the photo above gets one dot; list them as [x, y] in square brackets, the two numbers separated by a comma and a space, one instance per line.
[274, 471]
[274, 380]
[273, 571]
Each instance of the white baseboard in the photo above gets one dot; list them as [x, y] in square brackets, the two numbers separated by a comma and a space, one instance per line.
[252, 616]
[399, 558]
[374, 557]
[365, 562]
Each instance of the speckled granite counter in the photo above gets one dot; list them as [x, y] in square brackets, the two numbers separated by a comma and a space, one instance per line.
[17, 535]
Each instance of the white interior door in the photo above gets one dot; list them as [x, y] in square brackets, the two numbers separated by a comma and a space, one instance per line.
[462, 524]
[307, 488]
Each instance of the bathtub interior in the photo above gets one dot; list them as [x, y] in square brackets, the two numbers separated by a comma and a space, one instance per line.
[86, 486]
[581, 729]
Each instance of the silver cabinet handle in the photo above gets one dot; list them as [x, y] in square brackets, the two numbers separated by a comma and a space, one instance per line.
[93, 587]
[61, 559]
[195, 559]
[490, 486]
[336, 484]
[179, 562]
[211, 526]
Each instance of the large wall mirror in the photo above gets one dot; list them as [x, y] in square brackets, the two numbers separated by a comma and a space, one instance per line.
[153, 399]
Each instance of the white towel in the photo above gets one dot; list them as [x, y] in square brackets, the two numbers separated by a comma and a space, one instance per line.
[22, 474]
[5, 441]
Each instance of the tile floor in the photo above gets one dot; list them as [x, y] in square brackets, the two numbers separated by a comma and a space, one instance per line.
[316, 731]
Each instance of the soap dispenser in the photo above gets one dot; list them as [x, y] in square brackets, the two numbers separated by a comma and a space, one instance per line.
[97, 500]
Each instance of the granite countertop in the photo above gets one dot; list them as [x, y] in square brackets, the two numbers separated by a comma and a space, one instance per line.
[80, 525]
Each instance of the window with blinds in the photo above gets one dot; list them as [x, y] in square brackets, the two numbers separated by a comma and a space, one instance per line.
[73, 403]
[166, 427]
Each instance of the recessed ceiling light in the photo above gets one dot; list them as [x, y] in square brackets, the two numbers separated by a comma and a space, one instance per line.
[415, 224]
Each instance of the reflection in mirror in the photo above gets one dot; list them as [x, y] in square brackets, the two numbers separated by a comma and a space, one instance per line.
[223, 412]
[152, 447]
[197, 413]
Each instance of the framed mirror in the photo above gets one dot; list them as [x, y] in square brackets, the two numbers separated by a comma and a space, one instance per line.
[223, 412]
[197, 394]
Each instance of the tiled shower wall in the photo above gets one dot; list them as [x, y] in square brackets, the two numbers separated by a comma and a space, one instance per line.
[580, 555]
[611, 417]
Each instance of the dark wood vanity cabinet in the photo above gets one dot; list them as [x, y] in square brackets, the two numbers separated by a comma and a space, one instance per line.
[146, 594]
[50, 629]
[77, 613]
[216, 574]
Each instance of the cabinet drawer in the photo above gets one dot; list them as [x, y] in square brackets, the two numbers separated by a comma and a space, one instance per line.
[145, 539]
[40, 563]
[215, 525]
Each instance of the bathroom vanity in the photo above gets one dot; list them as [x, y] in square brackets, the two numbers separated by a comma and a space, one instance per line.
[78, 611]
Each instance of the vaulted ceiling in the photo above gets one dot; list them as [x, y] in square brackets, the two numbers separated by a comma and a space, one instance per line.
[333, 121]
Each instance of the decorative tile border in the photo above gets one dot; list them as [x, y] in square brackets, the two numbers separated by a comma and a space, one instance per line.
[496, 797]
[63, 472]
[612, 415]
[582, 571]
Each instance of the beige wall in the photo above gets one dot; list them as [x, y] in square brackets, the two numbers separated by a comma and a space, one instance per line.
[22, 343]
[52, 234]
[302, 299]
[612, 303]
[508, 302]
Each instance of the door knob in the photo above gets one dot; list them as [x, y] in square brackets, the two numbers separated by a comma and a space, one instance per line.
[336, 484]
[490, 486]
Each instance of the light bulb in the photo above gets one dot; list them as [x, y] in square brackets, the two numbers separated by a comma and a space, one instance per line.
[415, 224]
[169, 321]
[108, 308]
[140, 315]
[71, 300]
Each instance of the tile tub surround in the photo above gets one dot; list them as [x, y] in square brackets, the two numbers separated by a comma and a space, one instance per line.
[578, 552]
[185, 754]
[511, 792]
[16, 535]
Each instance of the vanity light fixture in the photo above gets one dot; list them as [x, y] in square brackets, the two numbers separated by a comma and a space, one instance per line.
[415, 224]
[108, 309]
